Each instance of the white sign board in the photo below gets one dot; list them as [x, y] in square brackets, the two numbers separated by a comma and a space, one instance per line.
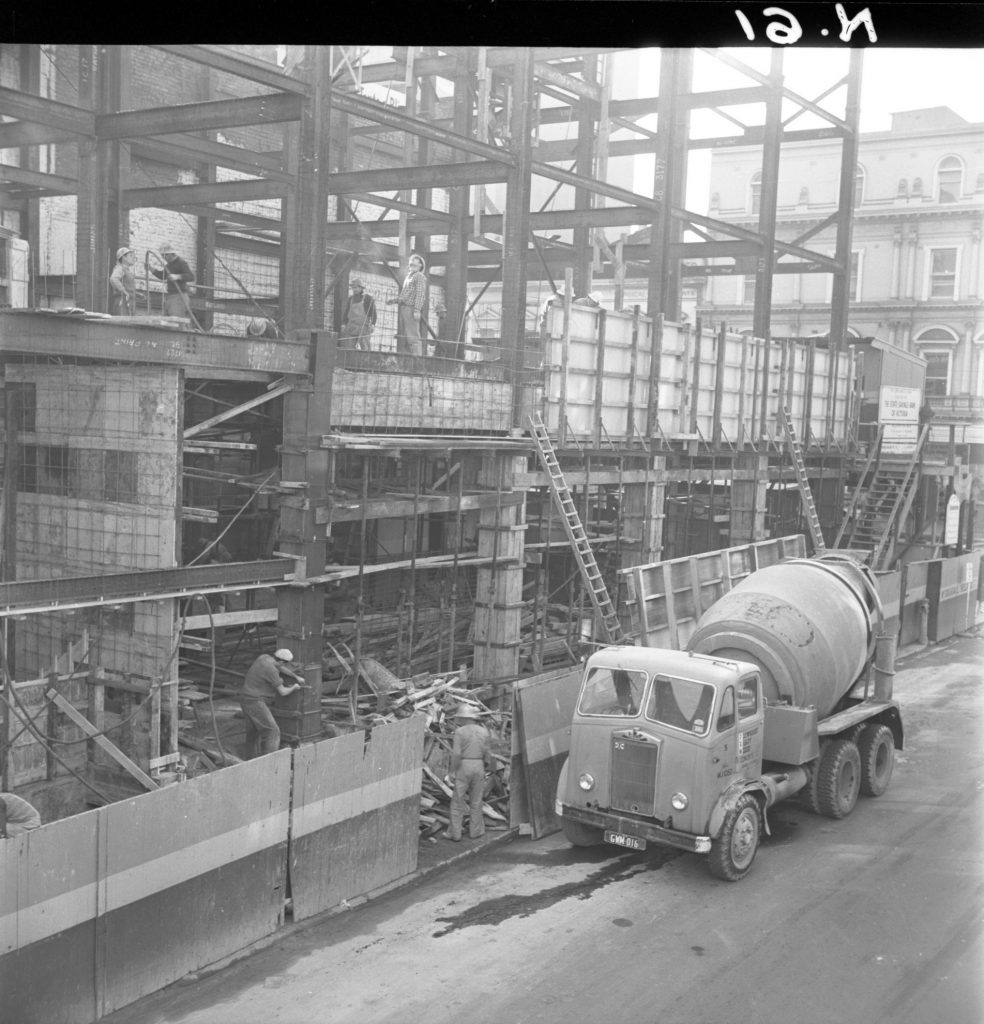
[898, 405]
[899, 438]
[951, 529]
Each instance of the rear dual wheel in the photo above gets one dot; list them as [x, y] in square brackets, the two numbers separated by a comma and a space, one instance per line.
[838, 779]
[876, 745]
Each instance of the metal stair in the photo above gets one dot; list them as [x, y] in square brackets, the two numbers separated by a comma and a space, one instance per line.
[580, 544]
[806, 495]
[887, 501]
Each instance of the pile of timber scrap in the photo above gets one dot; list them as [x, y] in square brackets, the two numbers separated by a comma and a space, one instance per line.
[379, 697]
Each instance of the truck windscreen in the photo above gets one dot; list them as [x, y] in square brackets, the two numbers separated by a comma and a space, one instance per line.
[612, 691]
[682, 704]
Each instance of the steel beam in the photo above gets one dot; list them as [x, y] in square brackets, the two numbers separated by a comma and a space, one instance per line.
[58, 335]
[23, 596]
[437, 175]
[358, 106]
[169, 196]
[183, 150]
[29, 133]
[271, 108]
[53, 184]
[236, 64]
[598, 187]
[61, 116]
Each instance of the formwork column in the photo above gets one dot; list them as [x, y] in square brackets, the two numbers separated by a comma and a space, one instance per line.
[499, 586]
[641, 519]
[301, 611]
[748, 493]
[516, 231]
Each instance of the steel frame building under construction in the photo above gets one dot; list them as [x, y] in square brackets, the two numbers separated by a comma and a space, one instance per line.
[376, 503]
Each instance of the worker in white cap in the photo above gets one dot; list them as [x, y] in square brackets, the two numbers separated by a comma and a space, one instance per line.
[123, 283]
[262, 686]
[471, 754]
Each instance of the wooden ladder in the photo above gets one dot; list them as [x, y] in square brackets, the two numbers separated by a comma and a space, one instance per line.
[806, 495]
[574, 528]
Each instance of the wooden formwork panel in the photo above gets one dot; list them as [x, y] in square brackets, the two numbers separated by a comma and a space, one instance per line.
[49, 901]
[543, 707]
[666, 599]
[355, 814]
[694, 380]
[391, 401]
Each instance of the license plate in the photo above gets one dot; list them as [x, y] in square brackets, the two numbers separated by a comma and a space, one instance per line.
[621, 839]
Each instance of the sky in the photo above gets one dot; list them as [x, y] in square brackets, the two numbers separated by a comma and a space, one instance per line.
[892, 80]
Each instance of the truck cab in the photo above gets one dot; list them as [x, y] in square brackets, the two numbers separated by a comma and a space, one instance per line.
[657, 738]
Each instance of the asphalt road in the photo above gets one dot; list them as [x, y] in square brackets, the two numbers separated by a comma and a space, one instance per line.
[873, 919]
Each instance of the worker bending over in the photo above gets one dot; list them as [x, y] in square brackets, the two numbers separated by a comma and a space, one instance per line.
[262, 685]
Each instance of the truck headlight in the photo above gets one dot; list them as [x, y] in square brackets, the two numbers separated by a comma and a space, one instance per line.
[679, 801]
[586, 781]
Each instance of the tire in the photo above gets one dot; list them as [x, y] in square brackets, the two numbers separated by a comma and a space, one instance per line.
[733, 851]
[838, 779]
[579, 834]
[876, 746]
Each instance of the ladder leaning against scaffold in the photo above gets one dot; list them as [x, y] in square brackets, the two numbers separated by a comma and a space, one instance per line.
[806, 495]
[574, 528]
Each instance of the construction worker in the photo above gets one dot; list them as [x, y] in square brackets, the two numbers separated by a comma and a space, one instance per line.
[471, 754]
[359, 319]
[17, 816]
[262, 685]
[123, 283]
[179, 278]
[411, 300]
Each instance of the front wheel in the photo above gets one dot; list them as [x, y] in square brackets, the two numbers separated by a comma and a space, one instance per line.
[579, 834]
[838, 779]
[734, 849]
[876, 746]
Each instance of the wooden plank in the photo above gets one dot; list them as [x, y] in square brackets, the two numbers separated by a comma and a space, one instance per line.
[114, 752]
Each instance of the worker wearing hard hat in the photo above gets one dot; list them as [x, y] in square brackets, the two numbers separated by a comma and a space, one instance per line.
[180, 279]
[470, 755]
[262, 685]
[123, 283]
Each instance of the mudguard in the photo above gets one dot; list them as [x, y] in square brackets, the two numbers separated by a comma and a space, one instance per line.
[729, 798]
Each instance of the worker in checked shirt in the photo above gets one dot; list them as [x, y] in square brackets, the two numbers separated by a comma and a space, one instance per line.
[411, 302]
[470, 755]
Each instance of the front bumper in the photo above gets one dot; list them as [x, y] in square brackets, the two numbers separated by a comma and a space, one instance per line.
[634, 827]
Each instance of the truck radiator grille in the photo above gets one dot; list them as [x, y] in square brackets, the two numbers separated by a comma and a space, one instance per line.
[634, 775]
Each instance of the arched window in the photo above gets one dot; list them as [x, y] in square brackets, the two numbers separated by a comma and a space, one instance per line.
[756, 191]
[949, 179]
[859, 185]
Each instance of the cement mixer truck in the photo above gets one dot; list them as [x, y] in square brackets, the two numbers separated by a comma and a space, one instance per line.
[784, 689]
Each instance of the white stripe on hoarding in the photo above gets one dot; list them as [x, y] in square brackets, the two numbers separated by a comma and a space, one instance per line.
[318, 814]
[48, 917]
